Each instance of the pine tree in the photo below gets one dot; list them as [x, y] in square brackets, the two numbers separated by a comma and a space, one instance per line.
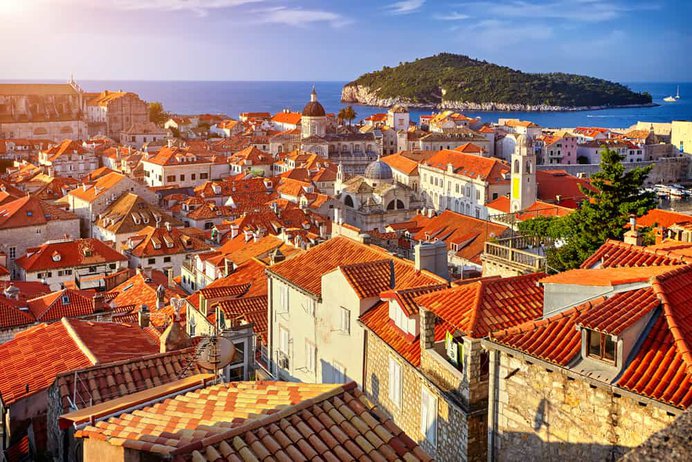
[602, 216]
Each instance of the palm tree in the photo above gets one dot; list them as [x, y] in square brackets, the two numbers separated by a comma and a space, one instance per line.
[349, 114]
[341, 116]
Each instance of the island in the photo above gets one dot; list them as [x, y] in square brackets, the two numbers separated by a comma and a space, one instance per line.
[452, 81]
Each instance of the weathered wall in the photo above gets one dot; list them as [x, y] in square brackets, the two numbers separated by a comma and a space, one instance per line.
[452, 423]
[543, 415]
[666, 170]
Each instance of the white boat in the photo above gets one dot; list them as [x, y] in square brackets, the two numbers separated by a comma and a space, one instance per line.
[672, 99]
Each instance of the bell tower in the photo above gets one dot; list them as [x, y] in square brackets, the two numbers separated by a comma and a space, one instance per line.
[524, 190]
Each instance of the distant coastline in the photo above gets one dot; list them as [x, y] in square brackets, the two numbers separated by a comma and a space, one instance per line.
[357, 94]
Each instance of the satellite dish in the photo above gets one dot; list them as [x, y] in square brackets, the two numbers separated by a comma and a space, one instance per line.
[214, 353]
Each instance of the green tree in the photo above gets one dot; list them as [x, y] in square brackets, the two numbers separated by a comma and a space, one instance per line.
[603, 215]
[341, 116]
[349, 114]
[157, 113]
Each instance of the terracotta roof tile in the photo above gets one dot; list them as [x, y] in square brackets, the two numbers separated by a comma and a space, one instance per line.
[486, 305]
[470, 165]
[306, 270]
[618, 254]
[70, 254]
[30, 211]
[606, 276]
[256, 420]
[619, 312]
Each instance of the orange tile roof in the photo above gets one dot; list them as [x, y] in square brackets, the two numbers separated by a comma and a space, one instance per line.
[488, 169]
[401, 163]
[306, 270]
[608, 277]
[160, 241]
[30, 211]
[662, 365]
[485, 305]
[377, 320]
[140, 290]
[105, 382]
[665, 218]
[463, 234]
[368, 279]
[613, 254]
[292, 118]
[256, 420]
[103, 185]
[70, 254]
[469, 148]
[554, 183]
[12, 316]
[619, 311]
[64, 303]
[30, 361]
[65, 147]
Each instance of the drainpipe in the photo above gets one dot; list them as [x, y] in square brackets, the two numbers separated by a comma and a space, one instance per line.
[494, 392]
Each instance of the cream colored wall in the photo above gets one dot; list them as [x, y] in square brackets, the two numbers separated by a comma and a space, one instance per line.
[682, 132]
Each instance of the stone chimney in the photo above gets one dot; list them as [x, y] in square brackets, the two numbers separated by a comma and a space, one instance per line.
[160, 297]
[98, 303]
[432, 256]
[633, 236]
[168, 226]
[138, 270]
[174, 337]
[143, 316]
[171, 281]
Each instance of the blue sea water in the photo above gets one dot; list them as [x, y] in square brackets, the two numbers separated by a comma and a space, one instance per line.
[233, 97]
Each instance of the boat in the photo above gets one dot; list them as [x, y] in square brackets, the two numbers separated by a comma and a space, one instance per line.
[672, 99]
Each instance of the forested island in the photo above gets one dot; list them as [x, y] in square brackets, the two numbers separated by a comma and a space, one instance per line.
[451, 81]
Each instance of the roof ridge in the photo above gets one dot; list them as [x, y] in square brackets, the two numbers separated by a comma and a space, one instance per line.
[72, 332]
[678, 338]
[254, 424]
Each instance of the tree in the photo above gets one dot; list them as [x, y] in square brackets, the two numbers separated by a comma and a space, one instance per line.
[341, 116]
[603, 215]
[349, 114]
[157, 113]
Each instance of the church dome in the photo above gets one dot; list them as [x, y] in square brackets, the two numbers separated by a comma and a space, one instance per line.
[313, 109]
[378, 170]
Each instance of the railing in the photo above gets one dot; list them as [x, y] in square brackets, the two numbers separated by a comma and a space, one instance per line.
[526, 253]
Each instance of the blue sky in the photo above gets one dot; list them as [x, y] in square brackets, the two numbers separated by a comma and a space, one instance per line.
[624, 40]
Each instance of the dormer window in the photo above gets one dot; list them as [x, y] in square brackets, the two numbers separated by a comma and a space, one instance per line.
[56, 256]
[65, 299]
[602, 346]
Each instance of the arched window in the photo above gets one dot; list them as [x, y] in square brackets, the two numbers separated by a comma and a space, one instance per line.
[281, 148]
[399, 204]
[516, 166]
[528, 167]
[390, 206]
[348, 201]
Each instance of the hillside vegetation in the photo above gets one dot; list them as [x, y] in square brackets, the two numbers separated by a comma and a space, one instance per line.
[458, 78]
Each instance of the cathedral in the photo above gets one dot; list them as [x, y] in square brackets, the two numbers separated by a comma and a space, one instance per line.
[341, 145]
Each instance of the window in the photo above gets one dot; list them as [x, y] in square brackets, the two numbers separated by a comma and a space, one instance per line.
[283, 298]
[601, 346]
[166, 259]
[112, 265]
[182, 177]
[151, 261]
[203, 176]
[394, 382]
[345, 324]
[193, 176]
[170, 178]
[310, 356]
[13, 253]
[428, 416]
[192, 324]
[68, 272]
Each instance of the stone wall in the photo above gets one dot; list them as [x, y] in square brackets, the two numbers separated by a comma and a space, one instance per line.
[452, 422]
[543, 414]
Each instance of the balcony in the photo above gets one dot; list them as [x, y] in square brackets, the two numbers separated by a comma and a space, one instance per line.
[516, 255]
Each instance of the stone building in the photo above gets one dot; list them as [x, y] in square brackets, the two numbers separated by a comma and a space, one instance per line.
[111, 112]
[42, 111]
[603, 367]
[424, 362]
[374, 200]
[68, 159]
[29, 222]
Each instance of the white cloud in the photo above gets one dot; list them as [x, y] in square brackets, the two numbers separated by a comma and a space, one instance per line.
[454, 16]
[299, 17]
[200, 7]
[405, 6]
[568, 10]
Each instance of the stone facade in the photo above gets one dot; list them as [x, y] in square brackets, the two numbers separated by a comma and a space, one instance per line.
[541, 412]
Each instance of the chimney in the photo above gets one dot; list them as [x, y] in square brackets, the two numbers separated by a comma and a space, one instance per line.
[138, 270]
[174, 337]
[432, 256]
[160, 297]
[143, 316]
[633, 237]
[168, 226]
[98, 303]
[169, 273]
[234, 231]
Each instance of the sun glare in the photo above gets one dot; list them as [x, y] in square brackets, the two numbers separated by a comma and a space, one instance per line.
[10, 7]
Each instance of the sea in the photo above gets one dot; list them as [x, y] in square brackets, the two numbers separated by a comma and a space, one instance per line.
[234, 97]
